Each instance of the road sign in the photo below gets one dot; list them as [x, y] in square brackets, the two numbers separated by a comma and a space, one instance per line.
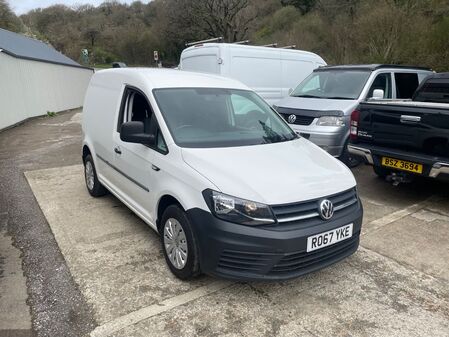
[156, 55]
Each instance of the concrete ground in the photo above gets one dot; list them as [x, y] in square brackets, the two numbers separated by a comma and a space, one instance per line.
[93, 268]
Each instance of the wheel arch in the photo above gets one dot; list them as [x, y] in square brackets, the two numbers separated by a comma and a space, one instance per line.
[165, 201]
[86, 151]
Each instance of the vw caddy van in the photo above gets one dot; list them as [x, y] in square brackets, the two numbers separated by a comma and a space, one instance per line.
[232, 190]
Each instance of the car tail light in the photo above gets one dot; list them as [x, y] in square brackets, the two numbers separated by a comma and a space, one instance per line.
[355, 116]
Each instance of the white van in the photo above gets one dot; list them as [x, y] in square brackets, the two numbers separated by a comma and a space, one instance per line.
[233, 191]
[271, 72]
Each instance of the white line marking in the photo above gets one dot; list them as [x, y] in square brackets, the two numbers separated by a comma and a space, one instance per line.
[134, 317]
[395, 216]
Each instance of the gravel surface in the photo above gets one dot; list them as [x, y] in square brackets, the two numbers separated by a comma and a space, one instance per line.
[57, 306]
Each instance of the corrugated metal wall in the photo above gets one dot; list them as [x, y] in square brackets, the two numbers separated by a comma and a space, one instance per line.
[31, 88]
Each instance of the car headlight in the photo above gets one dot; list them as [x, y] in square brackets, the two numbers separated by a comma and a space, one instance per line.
[238, 210]
[331, 121]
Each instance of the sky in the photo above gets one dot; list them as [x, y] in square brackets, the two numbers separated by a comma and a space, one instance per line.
[23, 6]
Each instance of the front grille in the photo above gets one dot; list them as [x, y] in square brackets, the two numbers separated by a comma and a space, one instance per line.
[275, 264]
[306, 213]
[300, 120]
[243, 261]
[295, 262]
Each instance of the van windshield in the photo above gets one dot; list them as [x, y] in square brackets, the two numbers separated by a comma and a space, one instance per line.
[333, 84]
[214, 117]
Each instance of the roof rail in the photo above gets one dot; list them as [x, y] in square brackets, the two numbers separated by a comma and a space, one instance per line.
[215, 39]
[242, 42]
[273, 45]
[293, 46]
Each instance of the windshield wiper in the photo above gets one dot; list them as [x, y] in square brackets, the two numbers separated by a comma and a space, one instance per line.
[308, 96]
[271, 135]
[338, 97]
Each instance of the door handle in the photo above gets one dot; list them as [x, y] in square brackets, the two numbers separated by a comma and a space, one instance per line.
[410, 119]
[154, 167]
[117, 150]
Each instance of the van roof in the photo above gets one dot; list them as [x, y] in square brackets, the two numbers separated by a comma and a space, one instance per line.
[167, 78]
[245, 46]
[370, 67]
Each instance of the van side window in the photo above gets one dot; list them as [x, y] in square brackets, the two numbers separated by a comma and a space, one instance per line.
[383, 82]
[136, 108]
[406, 84]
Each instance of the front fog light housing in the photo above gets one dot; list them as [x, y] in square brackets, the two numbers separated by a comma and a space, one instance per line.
[238, 210]
[331, 121]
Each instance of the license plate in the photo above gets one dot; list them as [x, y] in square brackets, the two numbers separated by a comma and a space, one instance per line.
[402, 165]
[329, 238]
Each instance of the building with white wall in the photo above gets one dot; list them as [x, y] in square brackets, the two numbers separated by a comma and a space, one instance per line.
[35, 79]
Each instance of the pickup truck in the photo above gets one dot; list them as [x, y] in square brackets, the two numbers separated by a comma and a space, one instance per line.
[405, 138]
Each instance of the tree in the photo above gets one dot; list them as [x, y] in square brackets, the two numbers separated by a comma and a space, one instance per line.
[304, 6]
[341, 31]
[8, 20]
[91, 33]
[229, 19]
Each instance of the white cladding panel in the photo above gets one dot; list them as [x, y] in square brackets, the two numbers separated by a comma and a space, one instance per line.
[31, 88]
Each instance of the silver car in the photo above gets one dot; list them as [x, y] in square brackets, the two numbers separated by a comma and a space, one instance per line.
[320, 108]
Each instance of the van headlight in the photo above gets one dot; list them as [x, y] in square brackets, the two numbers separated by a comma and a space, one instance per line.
[331, 121]
[238, 210]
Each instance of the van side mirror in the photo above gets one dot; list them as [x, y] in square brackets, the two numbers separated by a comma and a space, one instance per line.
[133, 132]
[378, 94]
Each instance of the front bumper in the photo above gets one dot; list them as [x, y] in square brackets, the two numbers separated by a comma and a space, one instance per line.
[241, 252]
[330, 139]
[433, 167]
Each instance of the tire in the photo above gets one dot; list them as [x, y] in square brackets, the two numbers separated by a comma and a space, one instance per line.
[93, 185]
[380, 171]
[348, 159]
[181, 240]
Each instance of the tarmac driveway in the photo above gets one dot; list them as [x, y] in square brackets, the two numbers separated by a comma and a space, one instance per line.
[397, 284]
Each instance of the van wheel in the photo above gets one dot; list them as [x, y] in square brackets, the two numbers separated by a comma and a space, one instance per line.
[178, 243]
[381, 172]
[95, 188]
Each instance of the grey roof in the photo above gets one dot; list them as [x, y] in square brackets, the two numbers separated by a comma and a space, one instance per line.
[371, 67]
[20, 46]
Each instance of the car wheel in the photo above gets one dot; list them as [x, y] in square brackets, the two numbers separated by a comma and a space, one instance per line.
[381, 172]
[349, 159]
[179, 244]
[95, 188]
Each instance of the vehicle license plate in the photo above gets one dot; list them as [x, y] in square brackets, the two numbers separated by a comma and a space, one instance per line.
[402, 165]
[329, 238]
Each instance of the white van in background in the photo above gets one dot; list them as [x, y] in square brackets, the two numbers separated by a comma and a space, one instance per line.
[271, 72]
